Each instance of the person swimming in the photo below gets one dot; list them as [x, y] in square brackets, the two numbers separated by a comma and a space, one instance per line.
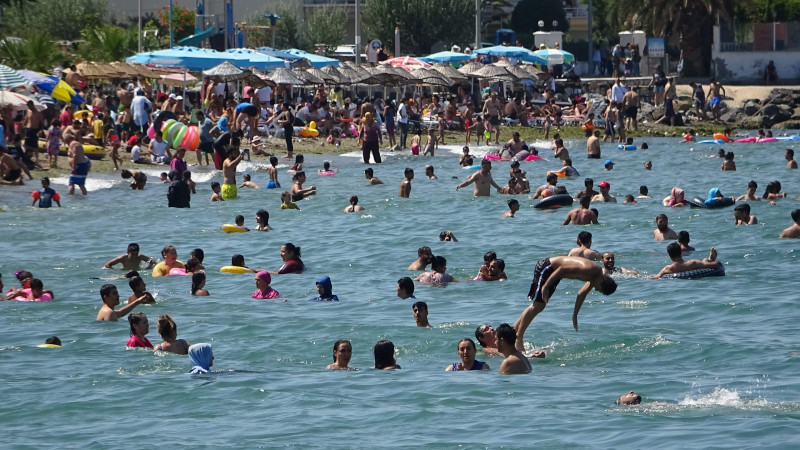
[202, 358]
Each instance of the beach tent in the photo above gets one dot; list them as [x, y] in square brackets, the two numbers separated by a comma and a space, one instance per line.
[288, 57]
[315, 60]
[192, 58]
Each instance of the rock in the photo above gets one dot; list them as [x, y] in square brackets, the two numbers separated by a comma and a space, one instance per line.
[751, 107]
[732, 116]
[751, 122]
[788, 125]
[777, 113]
[795, 114]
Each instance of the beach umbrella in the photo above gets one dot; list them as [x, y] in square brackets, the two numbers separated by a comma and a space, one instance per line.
[60, 90]
[450, 72]
[521, 73]
[352, 75]
[178, 78]
[553, 56]
[285, 76]
[10, 78]
[259, 79]
[360, 70]
[225, 72]
[470, 68]
[446, 57]
[35, 77]
[45, 99]
[520, 53]
[408, 63]
[18, 101]
[279, 54]
[123, 68]
[321, 74]
[334, 73]
[246, 57]
[432, 77]
[308, 77]
[493, 72]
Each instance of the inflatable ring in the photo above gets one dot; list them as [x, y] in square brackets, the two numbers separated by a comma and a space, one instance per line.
[234, 269]
[721, 137]
[328, 173]
[533, 158]
[626, 147]
[554, 201]
[712, 141]
[697, 273]
[230, 228]
[474, 167]
[724, 202]
[80, 114]
[177, 271]
[48, 346]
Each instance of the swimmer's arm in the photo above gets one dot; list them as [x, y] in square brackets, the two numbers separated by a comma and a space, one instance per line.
[579, 302]
[660, 274]
[567, 219]
[114, 261]
[468, 181]
[122, 312]
[491, 180]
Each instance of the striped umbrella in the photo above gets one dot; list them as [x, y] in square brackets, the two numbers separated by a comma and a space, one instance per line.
[18, 101]
[10, 78]
[555, 56]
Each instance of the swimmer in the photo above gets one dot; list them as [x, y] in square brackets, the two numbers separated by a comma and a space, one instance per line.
[139, 329]
[683, 240]
[581, 215]
[495, 272]
[198, 284]
[648, 165]
[354, 206]
[676, 198]
[237, 260]
[663, 232]
[550, 271]
[52, 340]
[631, 398]
[405, 288]
[583, 249]
[139, 178]
[169, 333]
[272, 171]
[263, 289]
[202, 358]
[438, 275]
[482, 179]
[742, 215]
[643, 192]
[46, 195]
[679, 265]
[604, 196]
[132, 259]
[609, 268]
[513, 207]
[588, 189]
[342, 352]
[170, 255]
[249, 184]
[139, 288]
[793, 232]
[424, 257]
[110, 297]
[728, 164]
[790, 162]
[405, 185]
[448, 236]
[164, 178]
[216, 189]
[467, 350]
[629, 199]
[369, 175]
[384, 356]
[483, 271]
[420, 311]
[552, 181]
[326, 169]
[262, 220]
[429, 173]
[462, 161]
[750, 195]
[199, 255]
[287, 203]
[229, 189]
[290, 254]
[516, 362]
[239, 221]
[608, 166]
[298, 192]
[325, 291]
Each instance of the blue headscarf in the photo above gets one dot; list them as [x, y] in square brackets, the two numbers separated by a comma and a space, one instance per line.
[327, 291]
[712, 196]
[202, 357]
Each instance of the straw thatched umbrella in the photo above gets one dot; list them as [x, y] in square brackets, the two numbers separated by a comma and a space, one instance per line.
[226, 72]
[450, 72]
[470, 68]
[493, 72]
[308, 77]
[324, 76]
[432, 77]
[520, 73]
[334, 73]
[285, 76]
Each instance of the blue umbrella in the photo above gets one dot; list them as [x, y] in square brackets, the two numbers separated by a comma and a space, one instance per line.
[315, 60]
[521, 53]
[446, 57]
[279, 54]
[192, 58]
[246, 57]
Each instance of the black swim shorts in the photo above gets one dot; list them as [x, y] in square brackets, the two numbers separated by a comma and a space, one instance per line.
[541, 273]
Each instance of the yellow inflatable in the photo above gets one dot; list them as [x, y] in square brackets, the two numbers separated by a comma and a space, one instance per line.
[234, 269]
[230, 228]
[48, 346]
[92, 151]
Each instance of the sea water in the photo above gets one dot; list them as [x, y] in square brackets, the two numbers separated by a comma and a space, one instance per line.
[715, 359]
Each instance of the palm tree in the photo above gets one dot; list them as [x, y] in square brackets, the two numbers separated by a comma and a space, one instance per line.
[38, 52]
[110, 43]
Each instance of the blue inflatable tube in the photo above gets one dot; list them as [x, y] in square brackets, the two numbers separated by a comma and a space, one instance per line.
[712, 141]
[626, 147]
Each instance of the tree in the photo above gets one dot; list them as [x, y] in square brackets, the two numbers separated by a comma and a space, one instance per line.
[110, 43]
[324, 26]
[183, 21]
[527, 14]
[61, 20]
[422, 23]
[286, 34]
[38, 52]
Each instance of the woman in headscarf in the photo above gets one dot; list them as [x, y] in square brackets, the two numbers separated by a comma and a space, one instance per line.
[202, 358]
[264, 291]
[676, 198]
[716, 199]
[325, 290]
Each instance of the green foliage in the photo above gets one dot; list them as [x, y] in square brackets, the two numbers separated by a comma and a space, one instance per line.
[63, 20]
[422, 23]
[527, 14]
[183, 21]
[38, 52]
[109, 43]
[286, 33]
[325, 26]
[761, 10]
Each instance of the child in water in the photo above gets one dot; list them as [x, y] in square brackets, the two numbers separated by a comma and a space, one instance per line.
[465, 157]
[326, 169]
[286, 198]
[46, 195]
[240, 223]
[431, 143]
[216, 196]
[298, 163]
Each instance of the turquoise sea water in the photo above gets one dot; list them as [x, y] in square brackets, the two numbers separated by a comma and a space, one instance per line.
[718, 355]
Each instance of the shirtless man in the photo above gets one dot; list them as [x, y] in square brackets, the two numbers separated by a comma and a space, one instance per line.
[125, 96]
[10, 170]
[750, 195]
[229, 189]
[793, 231]
[482, 179]
[110, 297]
[248, 183]
[663, 232]
[581, 215]
[550, 271]
[420, 310]
[552, 180]
[715, 94]
[679, 265]
[593, 145]
[139, 178]
[583, 249]
[373, 180]
[742, 215]
[604, 196]
[424, 257]
[405, 185]
[78, 163]
[630, 103]
[33, 124]
[515, 361]
[513, 207]
[588, 190]
[516, 143]
[491, 116]
[609, 268]
[789, 155]
[132, 259]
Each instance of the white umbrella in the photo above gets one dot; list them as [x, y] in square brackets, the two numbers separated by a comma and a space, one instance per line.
[19, 101]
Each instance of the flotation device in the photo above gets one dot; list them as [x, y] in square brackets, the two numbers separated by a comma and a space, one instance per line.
[697, 273]
[328, 173]
[790, 138]
[234, 269]
[687, 137]
[81, 113]
[308, 132]
[48, 346]
[722, 137]
[588, 126]
[745, 140]
[230, 228]
[92, 151]
[473, 167]
[533, 158]
[724, 202]
[177, 271]
[766, 140]
[626, 147]
[711, 141]
[46, 297]
[554, 201]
